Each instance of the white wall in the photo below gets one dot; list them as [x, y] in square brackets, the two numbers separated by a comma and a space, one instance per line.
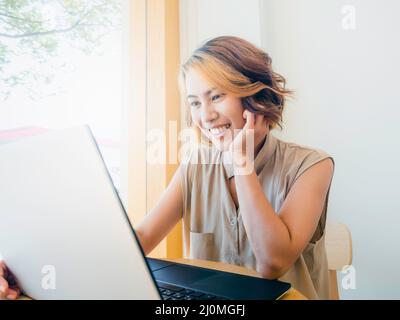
[201, 20]
[205, 19]
[348, 104]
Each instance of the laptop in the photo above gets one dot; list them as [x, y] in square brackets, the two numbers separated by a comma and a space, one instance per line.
[66, 235]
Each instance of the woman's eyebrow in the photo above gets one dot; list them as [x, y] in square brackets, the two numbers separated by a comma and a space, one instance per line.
[204, 94]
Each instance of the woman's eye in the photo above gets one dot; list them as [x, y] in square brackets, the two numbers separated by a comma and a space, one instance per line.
[194, 104]
[216, 97]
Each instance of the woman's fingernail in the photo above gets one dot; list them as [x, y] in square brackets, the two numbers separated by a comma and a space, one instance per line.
[2, 289]
[10, 296]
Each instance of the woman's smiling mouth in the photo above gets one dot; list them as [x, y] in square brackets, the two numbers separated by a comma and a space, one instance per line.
[220, 130]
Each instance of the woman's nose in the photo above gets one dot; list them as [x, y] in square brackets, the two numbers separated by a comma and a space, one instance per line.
[208, 114]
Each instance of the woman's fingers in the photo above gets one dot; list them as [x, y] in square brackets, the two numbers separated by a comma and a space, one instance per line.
[8, 287]
[245, 113]
[254, 120]
[13, 293]
[4, 289]
[250, 119]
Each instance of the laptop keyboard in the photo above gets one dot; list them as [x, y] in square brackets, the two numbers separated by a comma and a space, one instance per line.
[173, 292]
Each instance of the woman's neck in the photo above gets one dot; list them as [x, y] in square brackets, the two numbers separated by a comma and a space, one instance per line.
[259, 145]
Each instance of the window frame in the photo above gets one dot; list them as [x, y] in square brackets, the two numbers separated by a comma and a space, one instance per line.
[154, 66]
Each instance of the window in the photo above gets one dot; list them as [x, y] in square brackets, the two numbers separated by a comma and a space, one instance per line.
[61, 65]
[72, 62]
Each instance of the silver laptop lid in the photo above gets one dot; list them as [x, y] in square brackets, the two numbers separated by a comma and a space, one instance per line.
[63, 230]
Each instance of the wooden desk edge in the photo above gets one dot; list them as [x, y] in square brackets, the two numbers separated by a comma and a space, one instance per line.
[292, 294]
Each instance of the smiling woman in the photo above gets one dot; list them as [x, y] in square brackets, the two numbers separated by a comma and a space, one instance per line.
[270, 217]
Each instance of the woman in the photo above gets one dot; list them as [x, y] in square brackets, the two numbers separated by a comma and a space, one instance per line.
[266, 211]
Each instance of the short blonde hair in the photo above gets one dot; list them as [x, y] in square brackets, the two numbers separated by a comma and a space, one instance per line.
[236, 66]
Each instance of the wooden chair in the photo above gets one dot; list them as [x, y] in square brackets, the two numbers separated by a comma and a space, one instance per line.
[338, 246]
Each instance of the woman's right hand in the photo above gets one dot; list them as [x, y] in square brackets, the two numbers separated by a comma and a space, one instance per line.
[8, 286]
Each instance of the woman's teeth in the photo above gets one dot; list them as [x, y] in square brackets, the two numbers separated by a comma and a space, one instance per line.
[219, 130]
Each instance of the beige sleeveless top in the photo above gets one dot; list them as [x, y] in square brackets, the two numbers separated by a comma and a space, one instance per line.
[213, 229]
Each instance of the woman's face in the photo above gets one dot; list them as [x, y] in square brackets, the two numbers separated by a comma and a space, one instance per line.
[219, 115]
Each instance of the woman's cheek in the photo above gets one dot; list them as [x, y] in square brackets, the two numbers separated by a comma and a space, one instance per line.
[239, 123]
[197, 124]
[195, 119]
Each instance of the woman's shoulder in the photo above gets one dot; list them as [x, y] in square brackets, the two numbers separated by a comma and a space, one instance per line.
[292, 150]
[295, 158]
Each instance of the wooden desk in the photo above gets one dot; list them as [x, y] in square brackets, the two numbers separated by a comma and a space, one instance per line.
[292, 294]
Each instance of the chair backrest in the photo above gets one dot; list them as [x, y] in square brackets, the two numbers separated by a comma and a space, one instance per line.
[338, 246]
[339, 252]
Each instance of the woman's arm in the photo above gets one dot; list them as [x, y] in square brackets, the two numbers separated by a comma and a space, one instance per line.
[163, 217]
[278, 240]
